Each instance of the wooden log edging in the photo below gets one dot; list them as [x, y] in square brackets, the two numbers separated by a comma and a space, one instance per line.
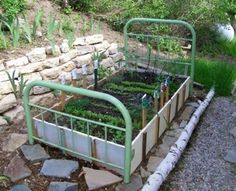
[157, 178]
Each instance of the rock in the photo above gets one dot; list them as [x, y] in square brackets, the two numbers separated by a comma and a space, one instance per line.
[49, 74]
[134, 185]
[68, 56]
[193, 104]
[32, 76]
[167, 140]
[20, 187]
[63, 186]
[234, 114]
[79, 41]
[233, 132]
[144, 173]
[108, 62]
[174, 133]
[34, 153]
[37, 55]
[81, 60]
[183, 124]
[2, 121]
[39, 34]
[40, 90]
[94, 39]
[16, 114]
[55, 52]
[113, 49]
[8, 102]
[102, 46]
[17, 169]
[14, 141]
[153, 163]
[231, 156]
[6, 88]
[65, 47]
[51, 63]
[59, 168]
[30, 68]
[188, 111]
[117, 57]
[2, 67]
[162, 150]
[82, 50]
[68, 67]
[45, 99]
[99, 178]
[17, 62]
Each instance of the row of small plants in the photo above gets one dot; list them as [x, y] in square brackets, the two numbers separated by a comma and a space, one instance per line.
[15, 32]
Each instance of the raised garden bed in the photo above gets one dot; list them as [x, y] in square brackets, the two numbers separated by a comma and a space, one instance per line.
[94, 133]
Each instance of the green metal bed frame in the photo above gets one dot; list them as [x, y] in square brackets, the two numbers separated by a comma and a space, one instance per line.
[97, 95]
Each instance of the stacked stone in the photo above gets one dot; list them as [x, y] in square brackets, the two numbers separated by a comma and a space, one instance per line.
[48, 64]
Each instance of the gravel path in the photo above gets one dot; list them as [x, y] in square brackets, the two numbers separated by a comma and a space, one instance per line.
[202, 166]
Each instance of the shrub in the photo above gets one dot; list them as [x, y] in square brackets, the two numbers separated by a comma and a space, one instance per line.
[11, 8]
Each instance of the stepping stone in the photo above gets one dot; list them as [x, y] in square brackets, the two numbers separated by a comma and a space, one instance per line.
[20, 187]
[59, 168]
[34, 153]
[231, 156]
[183, 124]
[14, 141]
[63, 186]
[99, 178]
[233, 132]
[153, 163]
[17, 169]
[135, 184]
[186, 113]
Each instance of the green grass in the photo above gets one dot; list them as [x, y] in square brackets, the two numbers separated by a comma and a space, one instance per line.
[219, 74]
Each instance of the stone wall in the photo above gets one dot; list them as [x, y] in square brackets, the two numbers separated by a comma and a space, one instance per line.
[42, 64]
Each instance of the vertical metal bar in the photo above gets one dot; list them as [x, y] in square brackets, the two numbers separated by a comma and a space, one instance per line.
[72, 133]
[89, 141]
[58, 130]
[106, 153]
[44, 131]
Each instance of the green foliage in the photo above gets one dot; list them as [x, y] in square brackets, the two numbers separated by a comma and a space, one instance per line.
[82, 5]
[18, 92]
[122, 88]
[139, 84]
[77, 104]
[104, 72]
[67, 10]
[68, 29]
[37, 21]
[11, 8]
[14, 29]
[3, 178]
[3, 40]
[220, 47]
[219, 74]
[51, 31]
[27, 30]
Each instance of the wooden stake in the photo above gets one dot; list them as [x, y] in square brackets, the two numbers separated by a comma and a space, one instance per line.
[162, 99]
[155, 104]
[167, 94]
[144, 117]
[144, 112]
[158, 128]
[144, 146]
